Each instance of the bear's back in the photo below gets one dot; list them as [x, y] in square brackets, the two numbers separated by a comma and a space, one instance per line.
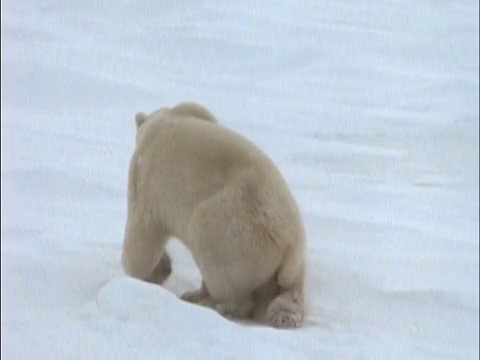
[203, 144]
[187, 161]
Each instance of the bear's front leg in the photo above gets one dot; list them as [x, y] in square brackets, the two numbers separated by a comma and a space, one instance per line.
[162, 271]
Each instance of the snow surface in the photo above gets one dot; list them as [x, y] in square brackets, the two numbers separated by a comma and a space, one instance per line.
[369, 108]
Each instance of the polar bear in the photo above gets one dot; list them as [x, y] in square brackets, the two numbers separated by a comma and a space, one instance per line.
[214, 190]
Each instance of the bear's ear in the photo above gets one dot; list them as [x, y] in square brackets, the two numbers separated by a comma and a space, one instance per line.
[140, 119]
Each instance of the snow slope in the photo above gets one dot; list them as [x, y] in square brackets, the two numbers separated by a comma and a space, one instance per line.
[369, 108]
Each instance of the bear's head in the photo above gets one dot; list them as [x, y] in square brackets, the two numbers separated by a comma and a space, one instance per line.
[140, 118]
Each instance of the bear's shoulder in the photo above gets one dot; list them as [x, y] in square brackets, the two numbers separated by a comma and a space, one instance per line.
[192, 109]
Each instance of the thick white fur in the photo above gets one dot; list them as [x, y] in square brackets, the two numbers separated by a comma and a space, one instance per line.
[194, 179]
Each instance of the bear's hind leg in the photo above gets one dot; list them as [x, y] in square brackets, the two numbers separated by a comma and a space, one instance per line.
[238, 308]
[234, 308]
[196, 296]
[286, 310]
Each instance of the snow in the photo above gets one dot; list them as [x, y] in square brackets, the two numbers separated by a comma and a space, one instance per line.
[370, 109]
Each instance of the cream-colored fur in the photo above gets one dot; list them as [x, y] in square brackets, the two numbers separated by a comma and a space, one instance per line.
[227, 202]
[183, 109]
